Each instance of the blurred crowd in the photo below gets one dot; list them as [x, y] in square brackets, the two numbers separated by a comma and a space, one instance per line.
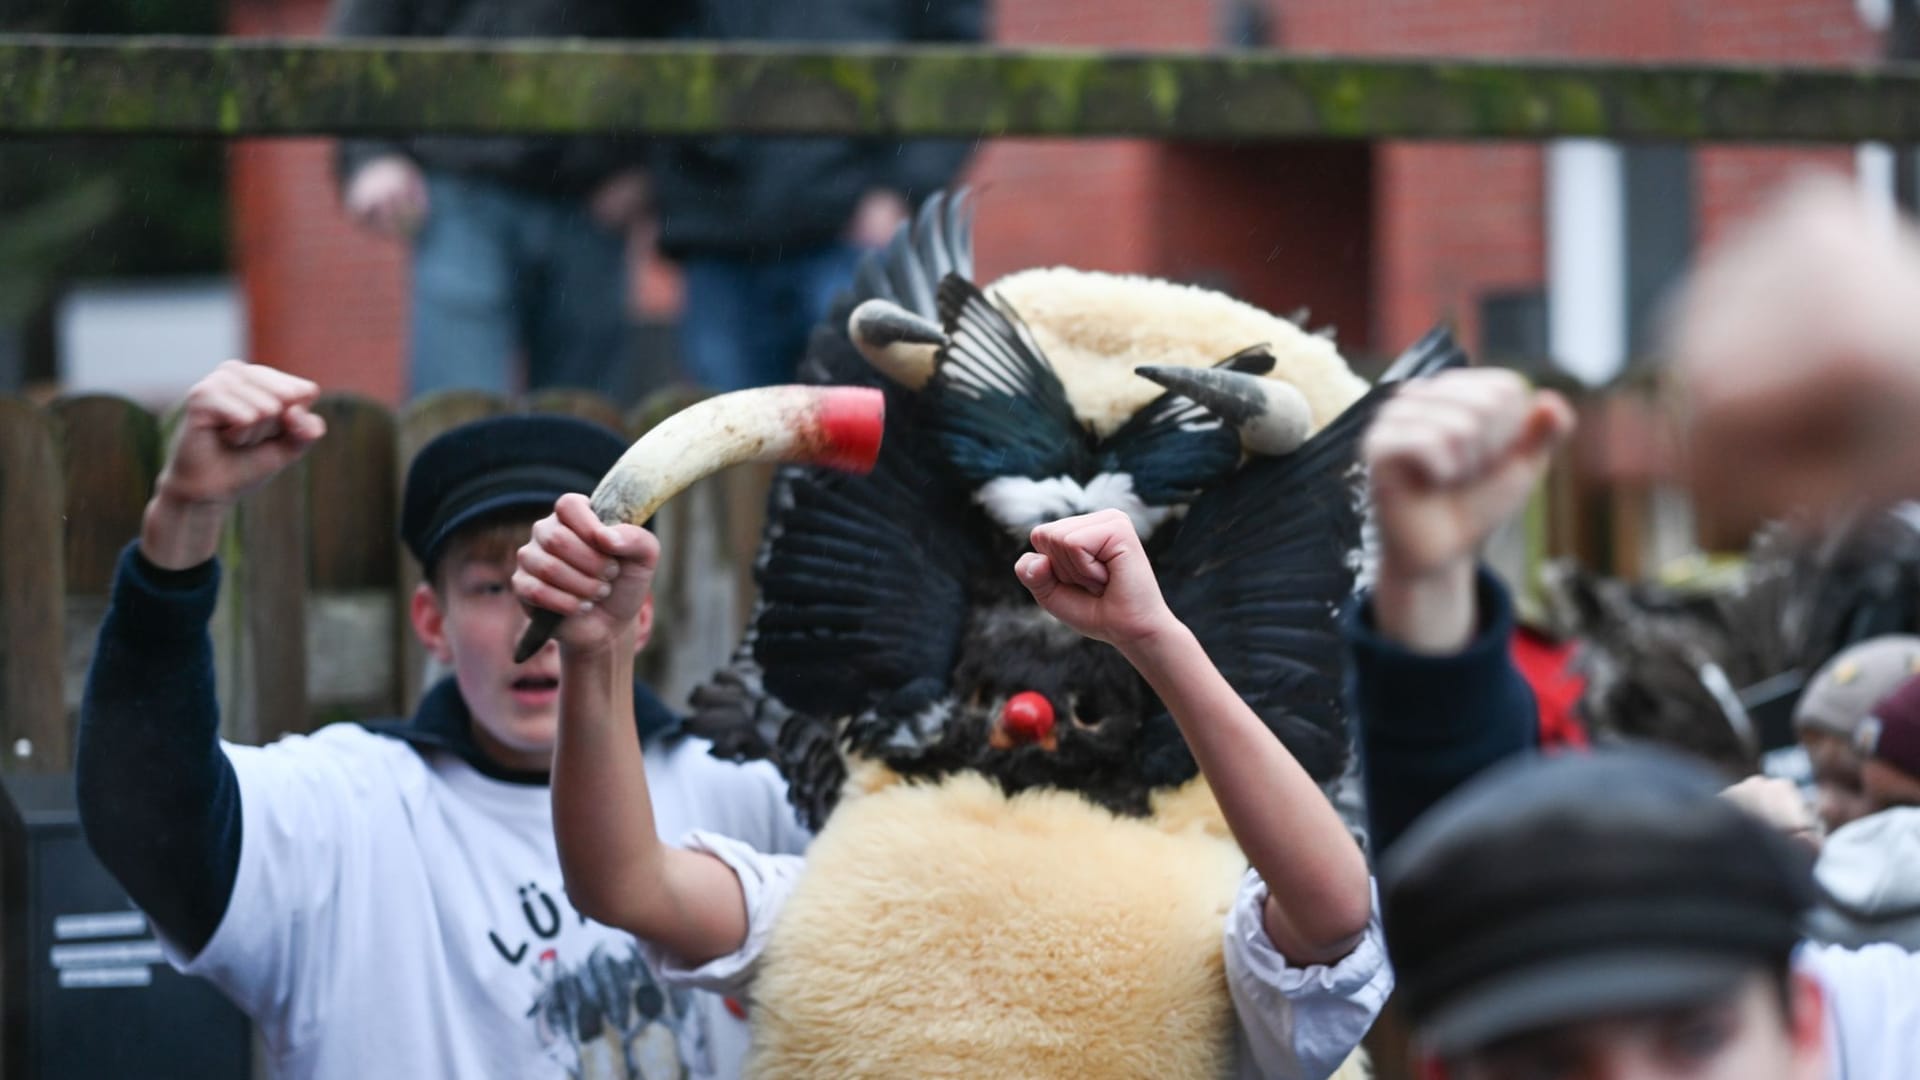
[1645, 909]
[521, 247]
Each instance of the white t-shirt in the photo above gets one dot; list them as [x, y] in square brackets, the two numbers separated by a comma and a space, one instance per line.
[1296, 1023]
[399, 914]
[1873, 1009]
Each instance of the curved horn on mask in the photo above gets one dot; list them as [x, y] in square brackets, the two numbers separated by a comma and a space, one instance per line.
[898, 343]
[1272, 417]
[835, 426]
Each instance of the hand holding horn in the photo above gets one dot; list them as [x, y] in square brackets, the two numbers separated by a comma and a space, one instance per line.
[834, 426]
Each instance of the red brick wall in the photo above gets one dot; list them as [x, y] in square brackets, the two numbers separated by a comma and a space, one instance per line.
[1284, 226]
[1380, 241]
[1731, 180]
[1454, 221]
[323, 298]
[1045, 202]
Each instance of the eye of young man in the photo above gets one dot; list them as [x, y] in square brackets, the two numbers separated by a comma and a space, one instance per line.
[1542, 1059]
[1676, 1042]
[1692, 1037]
[483, 581]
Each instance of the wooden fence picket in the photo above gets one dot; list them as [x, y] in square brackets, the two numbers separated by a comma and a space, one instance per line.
[355, 613]
[109, 452]
[266, 575]
[577, 403]
[34, 734]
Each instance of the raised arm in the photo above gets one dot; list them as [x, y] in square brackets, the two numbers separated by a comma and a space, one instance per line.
[618, 870]
[158, 800]
[1435, 692]
[1092, 574]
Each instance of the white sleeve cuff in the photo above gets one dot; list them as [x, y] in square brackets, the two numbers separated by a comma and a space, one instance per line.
[1300, 1021]
[766, 881]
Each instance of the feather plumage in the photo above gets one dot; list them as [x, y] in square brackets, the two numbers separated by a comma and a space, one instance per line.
[1649, 651]
[889, 627]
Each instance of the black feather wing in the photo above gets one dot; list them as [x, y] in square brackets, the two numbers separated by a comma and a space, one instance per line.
[1436, 351]
[1174, 448]
[861, 578]
[998, 407]
[1262, 564]
[911, 268]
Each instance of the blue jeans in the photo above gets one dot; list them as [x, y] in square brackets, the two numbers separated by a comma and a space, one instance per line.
[498, 273]
[746, 323]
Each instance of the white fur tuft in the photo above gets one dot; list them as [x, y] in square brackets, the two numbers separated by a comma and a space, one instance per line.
[1018, 503]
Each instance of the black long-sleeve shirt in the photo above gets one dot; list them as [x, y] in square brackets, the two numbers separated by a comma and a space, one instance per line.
[1428, 724]
[749, 197]
[158, 800]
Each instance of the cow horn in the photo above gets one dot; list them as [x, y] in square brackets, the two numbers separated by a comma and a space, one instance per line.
[834, 426]
[1272, 417]
[898, 343]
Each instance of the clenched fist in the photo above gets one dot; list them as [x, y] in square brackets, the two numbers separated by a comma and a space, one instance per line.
[1449, 460]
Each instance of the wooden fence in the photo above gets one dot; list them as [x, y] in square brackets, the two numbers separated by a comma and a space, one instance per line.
[312, 620]
[227, 87]
[318, 548]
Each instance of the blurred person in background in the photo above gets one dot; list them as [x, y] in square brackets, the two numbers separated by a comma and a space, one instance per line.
[518, 243]
[1842, 694]
[1439, 702]
[1869, 868]
[1796, 351]
[768, 230]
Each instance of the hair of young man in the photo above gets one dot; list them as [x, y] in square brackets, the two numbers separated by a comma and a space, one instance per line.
[489, 540]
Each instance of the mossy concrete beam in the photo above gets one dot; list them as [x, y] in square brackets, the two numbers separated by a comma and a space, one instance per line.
[223, 86]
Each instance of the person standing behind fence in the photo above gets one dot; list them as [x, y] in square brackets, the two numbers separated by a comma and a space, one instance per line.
[768, 231]
[519, 243]
[385, 900]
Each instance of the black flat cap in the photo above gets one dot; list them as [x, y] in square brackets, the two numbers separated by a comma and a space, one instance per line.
[1555, 890]
[496, 467]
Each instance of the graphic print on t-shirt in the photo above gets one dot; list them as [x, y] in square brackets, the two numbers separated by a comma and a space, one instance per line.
[603, 1016]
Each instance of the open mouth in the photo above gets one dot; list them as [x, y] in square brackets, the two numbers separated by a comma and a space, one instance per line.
[535, 684]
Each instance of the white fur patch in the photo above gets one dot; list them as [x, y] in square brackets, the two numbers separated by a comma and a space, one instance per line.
[1018, 503]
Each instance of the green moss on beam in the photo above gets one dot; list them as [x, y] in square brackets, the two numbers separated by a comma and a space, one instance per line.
[235, 87]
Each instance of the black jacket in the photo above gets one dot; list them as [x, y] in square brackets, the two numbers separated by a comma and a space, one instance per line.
[747, 197]
[564, 166]
[1429, 724]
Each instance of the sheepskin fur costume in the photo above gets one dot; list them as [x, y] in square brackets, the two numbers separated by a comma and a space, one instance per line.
[979, 905]
[925, 897]
[1096, 328]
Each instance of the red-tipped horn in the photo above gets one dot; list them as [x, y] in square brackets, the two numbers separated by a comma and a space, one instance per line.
[838, 427]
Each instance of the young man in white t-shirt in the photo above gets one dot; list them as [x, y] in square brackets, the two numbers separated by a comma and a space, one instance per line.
[386, 900]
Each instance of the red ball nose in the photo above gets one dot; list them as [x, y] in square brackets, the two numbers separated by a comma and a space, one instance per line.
[1027, 716]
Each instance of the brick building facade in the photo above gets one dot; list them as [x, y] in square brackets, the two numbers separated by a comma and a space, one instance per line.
[1378, 240]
